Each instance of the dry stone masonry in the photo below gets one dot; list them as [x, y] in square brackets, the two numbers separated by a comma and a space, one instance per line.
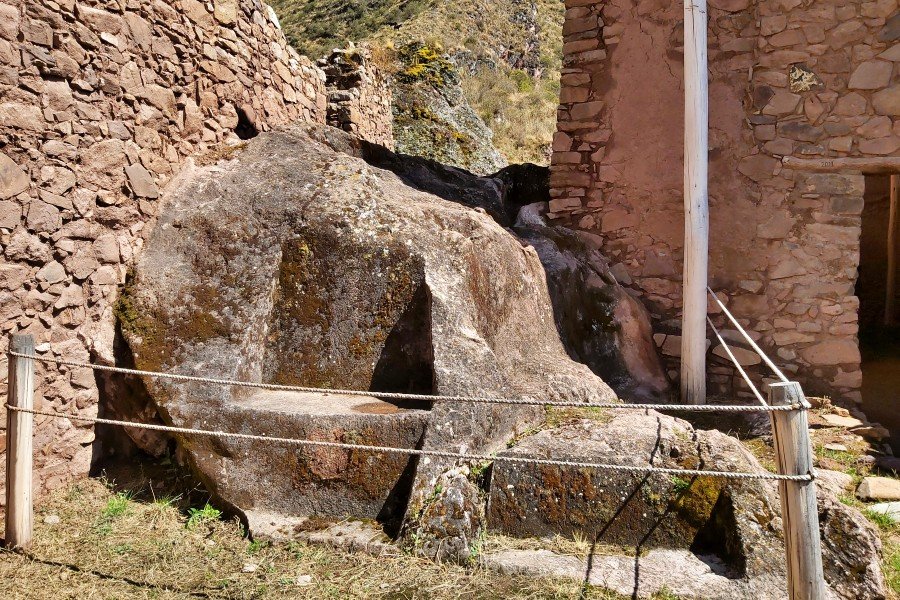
[788, 78]
[101, 102]
[359, 97]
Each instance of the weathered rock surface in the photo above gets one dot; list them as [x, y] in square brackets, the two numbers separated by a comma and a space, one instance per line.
[601, 325]
[295, 262]
[432, 117]
[879, 488]
[735, 524]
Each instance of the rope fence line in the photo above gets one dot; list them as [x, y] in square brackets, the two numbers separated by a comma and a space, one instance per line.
[747, 337]
[419, 452]
[413, 397]
[737, 364]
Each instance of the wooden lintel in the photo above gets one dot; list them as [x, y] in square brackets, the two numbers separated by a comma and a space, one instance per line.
[875, 164]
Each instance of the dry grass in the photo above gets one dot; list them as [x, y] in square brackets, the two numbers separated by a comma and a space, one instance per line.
[115, 544]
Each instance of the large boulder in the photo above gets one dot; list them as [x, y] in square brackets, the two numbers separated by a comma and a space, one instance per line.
[601, 325]
[733, 524]
[296, 262]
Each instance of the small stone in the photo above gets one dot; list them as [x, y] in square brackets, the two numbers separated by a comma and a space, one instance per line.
[871, 75]
[832, 352]
[839, 421]
[879, 488]
[887, 101]
[744, 357]
[835, 482]
[13, 180]
[52, 519]
[52, 272]
[141, 182]
[249, 568]
[835, 447]
[303, 580]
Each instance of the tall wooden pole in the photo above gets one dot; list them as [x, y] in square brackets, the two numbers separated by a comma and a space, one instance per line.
[20, 393]
[890, 294]
[696, 204]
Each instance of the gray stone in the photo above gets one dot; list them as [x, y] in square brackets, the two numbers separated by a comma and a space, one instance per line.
[836, 482]
[735, 526]
[449, 524]
[10, 214]
[141, 182]
[394, 288]
[13, 180]
[52, 272]
[889, 509]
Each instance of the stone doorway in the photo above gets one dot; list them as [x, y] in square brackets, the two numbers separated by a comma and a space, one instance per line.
[879, 333]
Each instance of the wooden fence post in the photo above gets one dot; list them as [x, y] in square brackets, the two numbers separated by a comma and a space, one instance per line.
[19, 427]
[799, 511]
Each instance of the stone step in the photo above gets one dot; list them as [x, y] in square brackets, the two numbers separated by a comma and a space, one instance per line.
[296, 481]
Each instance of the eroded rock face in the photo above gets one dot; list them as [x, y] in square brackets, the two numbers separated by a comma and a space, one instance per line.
[735, 524]
[295, 262]
[601, 325]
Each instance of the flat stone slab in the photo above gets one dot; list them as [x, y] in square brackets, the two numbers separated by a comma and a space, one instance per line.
[890, 509]
[679, 572]
[279, 483]
[879, 488]
[839, 421]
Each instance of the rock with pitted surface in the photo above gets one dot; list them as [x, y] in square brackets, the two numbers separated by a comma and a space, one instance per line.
[295, 262]
[733, 525]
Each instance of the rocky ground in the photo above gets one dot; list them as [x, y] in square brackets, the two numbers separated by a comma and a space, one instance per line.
[91, 542]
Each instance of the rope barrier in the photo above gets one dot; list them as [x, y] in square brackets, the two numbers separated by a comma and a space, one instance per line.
[737, 364]
[418, 452]
[747, 337]
[414, 397]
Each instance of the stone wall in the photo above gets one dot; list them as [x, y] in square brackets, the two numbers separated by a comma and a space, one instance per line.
[801, 78]
[359, 97]
[101, 101]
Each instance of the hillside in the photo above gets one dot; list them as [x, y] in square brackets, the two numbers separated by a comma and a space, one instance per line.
[507, 54]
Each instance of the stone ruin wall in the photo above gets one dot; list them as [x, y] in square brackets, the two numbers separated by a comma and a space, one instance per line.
[101, 102]
[359, 96]
[802, 78]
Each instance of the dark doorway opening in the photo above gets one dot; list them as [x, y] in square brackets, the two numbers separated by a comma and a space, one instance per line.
[879, 322]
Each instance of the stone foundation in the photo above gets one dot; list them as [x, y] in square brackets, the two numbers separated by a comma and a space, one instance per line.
[787, 78]
[101, 102]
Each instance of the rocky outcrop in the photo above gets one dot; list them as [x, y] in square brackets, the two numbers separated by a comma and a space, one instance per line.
[733, 525]
[296, 262]
[101, 101]
[432, 117]
[601, 325]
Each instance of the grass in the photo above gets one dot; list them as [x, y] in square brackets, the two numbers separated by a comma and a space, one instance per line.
[161, 548]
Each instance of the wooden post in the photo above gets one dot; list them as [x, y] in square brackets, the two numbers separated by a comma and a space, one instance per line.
[696, 204]
[19, 426]
[890, 294]
[799, 511]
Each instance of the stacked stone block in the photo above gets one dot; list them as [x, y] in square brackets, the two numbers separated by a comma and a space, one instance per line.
[359, 97]
[101, 102]
[787, 78]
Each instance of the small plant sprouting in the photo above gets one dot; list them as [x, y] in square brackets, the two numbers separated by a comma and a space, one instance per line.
[681, 485]
[197, 516]
[117, 506]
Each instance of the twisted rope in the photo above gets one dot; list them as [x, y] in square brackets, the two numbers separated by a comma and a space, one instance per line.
[418, 452]
[414, 397]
